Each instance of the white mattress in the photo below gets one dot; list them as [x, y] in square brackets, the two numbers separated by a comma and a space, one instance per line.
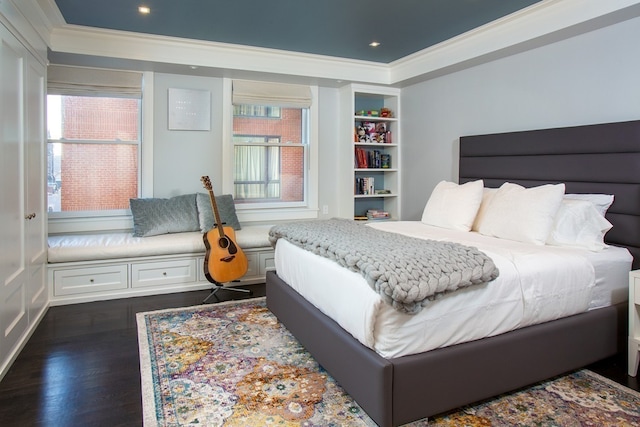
[536, 284]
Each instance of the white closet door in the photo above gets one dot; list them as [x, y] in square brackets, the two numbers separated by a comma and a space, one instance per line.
[13, 266]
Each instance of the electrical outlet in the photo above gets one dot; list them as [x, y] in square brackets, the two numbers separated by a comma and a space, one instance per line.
[325, 210]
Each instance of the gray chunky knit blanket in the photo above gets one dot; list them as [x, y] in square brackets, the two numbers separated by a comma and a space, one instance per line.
[407, 272]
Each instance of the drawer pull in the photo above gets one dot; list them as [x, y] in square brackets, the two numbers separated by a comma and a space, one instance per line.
[164, 273]
[91, 280]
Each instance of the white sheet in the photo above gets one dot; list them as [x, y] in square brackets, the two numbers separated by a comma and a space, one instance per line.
[536, 284]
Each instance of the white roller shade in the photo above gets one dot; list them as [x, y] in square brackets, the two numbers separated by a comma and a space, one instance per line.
[275, 94]
[69, 80]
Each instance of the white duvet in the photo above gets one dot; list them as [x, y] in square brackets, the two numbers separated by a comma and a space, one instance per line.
[536, 284]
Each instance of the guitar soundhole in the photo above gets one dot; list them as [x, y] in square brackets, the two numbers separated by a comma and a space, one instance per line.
[226, 243]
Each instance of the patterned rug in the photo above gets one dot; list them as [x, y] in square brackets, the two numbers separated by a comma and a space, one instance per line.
[233, 364]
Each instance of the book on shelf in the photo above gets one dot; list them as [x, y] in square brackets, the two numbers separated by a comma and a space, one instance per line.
[364, 185]
[377, 215]
[374, 159]
[361, 158]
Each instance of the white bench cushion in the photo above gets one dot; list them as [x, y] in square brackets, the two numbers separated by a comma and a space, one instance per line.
[88, 247]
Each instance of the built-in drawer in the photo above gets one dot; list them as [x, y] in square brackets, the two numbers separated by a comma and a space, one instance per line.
[201, 276]
[254, 264]
[163, 273]
[87, 280]
[636, 290]
[267, 262]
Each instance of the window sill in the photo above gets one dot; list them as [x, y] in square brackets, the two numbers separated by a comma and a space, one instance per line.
[275, 214]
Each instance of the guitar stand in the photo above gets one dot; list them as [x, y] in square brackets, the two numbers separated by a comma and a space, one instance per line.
[217, 286]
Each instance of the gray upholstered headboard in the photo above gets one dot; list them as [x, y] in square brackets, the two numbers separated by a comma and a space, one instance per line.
[603, 158]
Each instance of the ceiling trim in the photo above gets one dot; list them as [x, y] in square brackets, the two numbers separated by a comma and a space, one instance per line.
[25, 21]
[542, 23]
[145, 47]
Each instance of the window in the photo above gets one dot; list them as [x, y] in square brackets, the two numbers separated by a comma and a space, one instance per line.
[94, 139]
[273, 151]
[269, 157]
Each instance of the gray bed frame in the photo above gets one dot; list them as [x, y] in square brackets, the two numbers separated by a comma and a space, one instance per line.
[602, 158]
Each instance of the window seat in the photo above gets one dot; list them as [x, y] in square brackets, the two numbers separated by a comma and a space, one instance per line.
[92, 267]
[89, 247]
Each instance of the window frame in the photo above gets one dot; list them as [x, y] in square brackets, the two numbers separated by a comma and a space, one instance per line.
[264, 212]
[97, 221]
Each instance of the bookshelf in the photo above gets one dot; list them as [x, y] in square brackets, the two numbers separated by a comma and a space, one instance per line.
[371, 132]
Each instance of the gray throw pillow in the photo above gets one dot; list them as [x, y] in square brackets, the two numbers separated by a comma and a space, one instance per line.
[162, 216]
[226, 209]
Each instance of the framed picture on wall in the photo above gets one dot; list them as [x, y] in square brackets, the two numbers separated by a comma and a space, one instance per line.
[189, 109]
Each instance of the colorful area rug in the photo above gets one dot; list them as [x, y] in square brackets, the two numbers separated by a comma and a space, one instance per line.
[233, 364]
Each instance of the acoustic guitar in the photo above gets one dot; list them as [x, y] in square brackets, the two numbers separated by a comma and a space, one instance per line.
[224, 260]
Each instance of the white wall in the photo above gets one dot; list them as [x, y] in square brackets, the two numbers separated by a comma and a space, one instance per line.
[329, 150]
[587, 79]
[180, 158]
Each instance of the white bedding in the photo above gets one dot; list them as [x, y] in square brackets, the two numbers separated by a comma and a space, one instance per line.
[536, 284]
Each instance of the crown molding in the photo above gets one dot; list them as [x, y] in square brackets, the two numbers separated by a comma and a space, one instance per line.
[542, 23]
[25, 20]
[545, 22]
[171, 50]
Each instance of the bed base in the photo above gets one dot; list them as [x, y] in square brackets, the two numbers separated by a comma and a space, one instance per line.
[404, 389]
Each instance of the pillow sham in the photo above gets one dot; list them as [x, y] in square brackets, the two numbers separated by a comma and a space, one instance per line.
[226, 209]
[522, 214]
[453, 206]
[153, 216]
[487, 196]
[578, 223]
[602, 202]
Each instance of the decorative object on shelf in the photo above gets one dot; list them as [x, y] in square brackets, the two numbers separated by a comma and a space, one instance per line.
[383, 112]
[385, 161]
[372, 132]
[369, 113]
[386, 112]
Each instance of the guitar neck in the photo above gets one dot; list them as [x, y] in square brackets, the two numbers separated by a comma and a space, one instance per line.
[216, 215]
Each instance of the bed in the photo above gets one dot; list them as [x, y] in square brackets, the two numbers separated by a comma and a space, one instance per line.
[396, 390]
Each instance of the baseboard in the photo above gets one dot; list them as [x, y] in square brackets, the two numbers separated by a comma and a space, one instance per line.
[23, 341]
[128, 293]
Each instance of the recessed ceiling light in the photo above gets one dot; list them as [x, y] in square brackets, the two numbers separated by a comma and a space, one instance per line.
[374, 44]
[144, 10]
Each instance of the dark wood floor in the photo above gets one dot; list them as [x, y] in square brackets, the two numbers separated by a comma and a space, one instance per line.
[81, 366]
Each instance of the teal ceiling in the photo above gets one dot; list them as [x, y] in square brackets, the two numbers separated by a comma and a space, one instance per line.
[339, 28]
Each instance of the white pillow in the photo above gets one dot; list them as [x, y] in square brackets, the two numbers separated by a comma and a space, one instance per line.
[487, 196]
[522, 214]
[600, 201]
[453, 206]
[579, 224]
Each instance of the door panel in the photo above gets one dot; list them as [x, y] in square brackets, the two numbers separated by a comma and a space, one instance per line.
[13, 274]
